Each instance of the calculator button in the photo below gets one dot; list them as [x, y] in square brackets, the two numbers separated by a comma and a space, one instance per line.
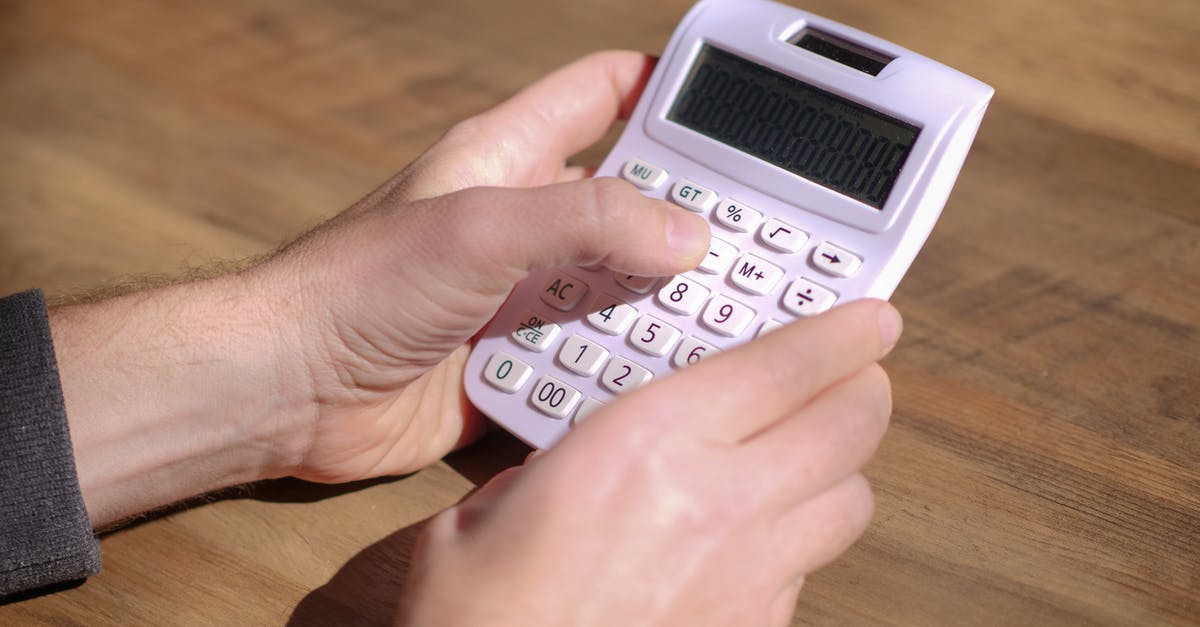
[689, 195]
[692, 350]
[682, 296]
[805, 298]
[535, 332]
[733, 214]
[643, 175]
[782, 236]
[653, 336]
[582, 356]
[637, 284]
[727, 316]
[586, 408]
[506, 373]
[720, 256]
[836, 260]
[563, 292]
[611, 315]
[622, 375]
[767, 327]
[554, 398]
[755, 275]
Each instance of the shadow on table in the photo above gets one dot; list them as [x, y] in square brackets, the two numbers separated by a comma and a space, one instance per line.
[366, 590]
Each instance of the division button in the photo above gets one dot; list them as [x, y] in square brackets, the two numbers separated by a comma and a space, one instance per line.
[805, 298]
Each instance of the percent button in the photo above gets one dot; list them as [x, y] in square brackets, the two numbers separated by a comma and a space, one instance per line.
[738, 216]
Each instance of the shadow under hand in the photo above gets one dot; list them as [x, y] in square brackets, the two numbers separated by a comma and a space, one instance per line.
[367, 589]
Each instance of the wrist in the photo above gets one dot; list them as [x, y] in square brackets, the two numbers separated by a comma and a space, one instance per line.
[174, 392]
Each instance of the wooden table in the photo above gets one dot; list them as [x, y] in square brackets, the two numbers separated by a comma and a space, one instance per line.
[1043, 467]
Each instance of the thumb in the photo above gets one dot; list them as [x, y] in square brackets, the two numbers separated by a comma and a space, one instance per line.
[602, 221]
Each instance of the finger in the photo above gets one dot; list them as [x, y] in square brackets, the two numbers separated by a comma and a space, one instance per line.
[491, 231]
[525, 140]
[783, 607]
[830, 438]
[576, 172]
[736, 394]
[818, 530]
[480, 502]
[570, 108]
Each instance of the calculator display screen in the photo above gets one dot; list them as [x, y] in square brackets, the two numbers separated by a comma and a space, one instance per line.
[822, 137]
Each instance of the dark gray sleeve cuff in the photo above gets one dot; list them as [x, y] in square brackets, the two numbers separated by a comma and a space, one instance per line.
[45, 535]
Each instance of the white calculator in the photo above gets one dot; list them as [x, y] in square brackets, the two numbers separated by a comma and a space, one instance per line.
[821, 155]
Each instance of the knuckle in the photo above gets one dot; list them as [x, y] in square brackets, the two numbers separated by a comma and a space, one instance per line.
[879, 390]
[464, 132]
[610, 206]
[859, 503]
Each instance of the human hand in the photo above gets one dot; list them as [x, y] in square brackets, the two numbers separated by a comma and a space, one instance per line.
[378, 305]
[341, 357]
[701, 499]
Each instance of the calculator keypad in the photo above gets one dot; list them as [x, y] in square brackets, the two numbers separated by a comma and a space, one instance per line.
[755, 274]
[555, 398]
[726, 316]
[738, 216]
[637, 284]
[535, 332]
[563, 291]
[622, 375]
[723, 298]
[581, 355]
[610, 315]
[782, 236]
[689, 195]
[653, 336]
[719, 258]
[835, 260]
[682, 295]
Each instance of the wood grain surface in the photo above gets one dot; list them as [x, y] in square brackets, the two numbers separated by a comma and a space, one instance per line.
[1043, 467]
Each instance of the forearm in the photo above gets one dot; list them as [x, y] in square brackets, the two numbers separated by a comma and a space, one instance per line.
[175, 392]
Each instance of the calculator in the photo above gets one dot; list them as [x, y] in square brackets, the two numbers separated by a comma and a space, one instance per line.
[822, 157]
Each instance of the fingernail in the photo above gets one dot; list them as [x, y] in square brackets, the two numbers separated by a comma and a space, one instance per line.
[890, 325]
[687, 233]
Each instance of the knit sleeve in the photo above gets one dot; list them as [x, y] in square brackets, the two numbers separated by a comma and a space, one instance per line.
[45, 535]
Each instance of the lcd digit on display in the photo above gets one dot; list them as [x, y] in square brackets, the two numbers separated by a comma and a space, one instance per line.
[825, 138]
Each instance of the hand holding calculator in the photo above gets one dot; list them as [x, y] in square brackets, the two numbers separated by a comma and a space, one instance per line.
[822, 157]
